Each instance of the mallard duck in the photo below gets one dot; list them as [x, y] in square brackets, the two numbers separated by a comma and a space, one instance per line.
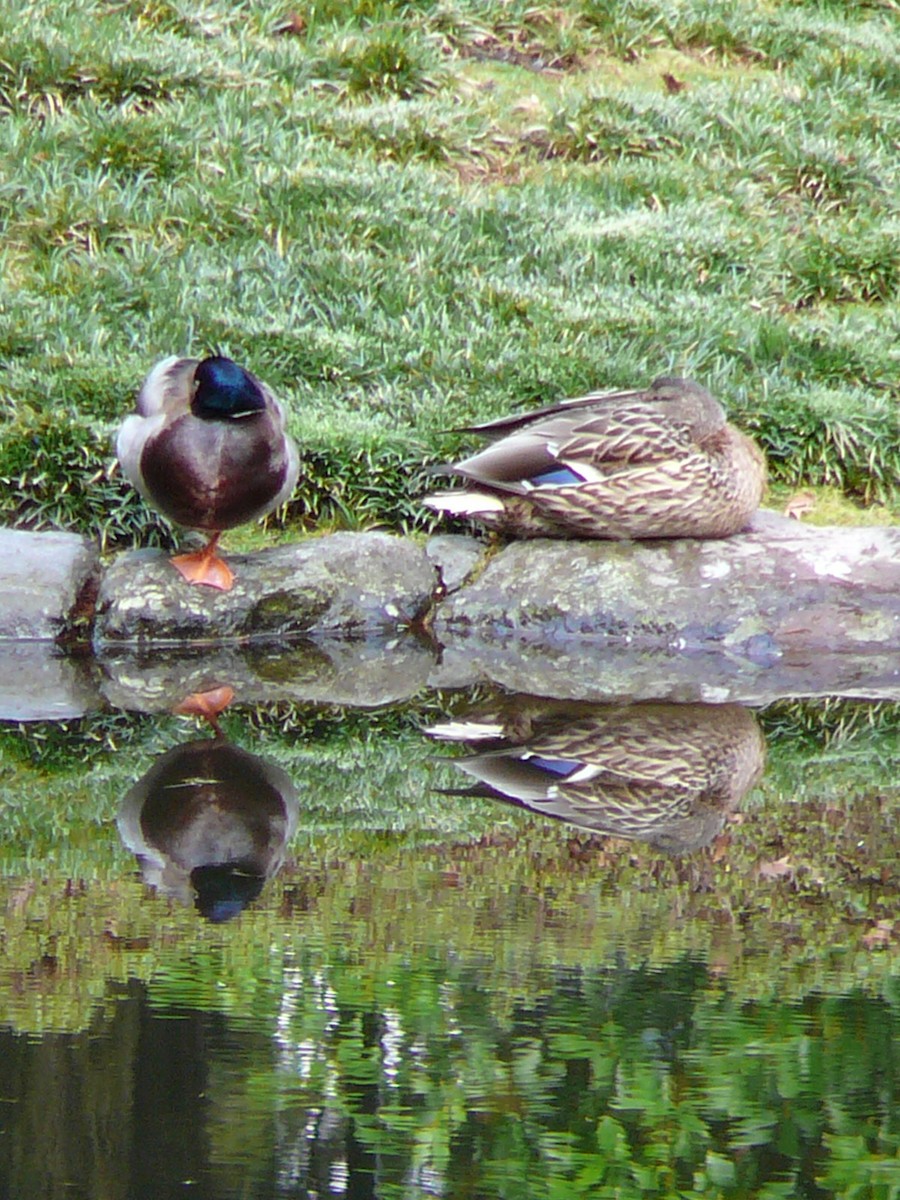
[667, 774]
[657, 463]
[208, 448]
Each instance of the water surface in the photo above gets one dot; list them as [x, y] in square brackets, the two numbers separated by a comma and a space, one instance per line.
[400, 991]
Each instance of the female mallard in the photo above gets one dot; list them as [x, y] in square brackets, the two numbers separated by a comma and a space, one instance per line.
[208, 448]
[646, 464]
[668, 774]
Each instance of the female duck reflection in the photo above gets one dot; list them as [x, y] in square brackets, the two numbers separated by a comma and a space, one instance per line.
[209, 821]
[667, 774]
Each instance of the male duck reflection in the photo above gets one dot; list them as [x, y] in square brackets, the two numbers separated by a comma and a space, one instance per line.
[662, 462]
[667, 774]
[208, 448]
[211, 822]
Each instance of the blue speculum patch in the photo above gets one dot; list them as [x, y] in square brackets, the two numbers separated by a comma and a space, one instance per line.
[557, 476]
[556, 766]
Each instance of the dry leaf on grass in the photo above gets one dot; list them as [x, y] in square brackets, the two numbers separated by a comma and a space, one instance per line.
[800, 504]
[778, 869]
[673, 85]
[879, 935]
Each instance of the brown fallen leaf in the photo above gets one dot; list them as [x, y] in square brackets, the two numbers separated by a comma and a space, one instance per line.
[779, 869]
[673, 85]
[800, 504]
[293, 23]
[720, 847]
[879, 935]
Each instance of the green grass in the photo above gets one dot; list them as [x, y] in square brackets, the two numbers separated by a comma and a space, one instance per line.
[407, 216]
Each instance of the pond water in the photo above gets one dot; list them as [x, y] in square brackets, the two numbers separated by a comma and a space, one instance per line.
[613, 951]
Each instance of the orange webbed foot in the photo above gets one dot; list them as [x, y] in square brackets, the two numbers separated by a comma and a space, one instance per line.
[205, 567]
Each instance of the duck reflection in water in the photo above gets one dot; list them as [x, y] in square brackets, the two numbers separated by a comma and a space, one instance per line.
[667, 774]
[209, 821]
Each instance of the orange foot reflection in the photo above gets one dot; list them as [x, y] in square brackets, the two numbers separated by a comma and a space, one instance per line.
[208, 705]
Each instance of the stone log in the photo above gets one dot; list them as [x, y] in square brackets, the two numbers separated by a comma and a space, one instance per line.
[347, 584]
[48, 583]
[782, 609]
[780, 599]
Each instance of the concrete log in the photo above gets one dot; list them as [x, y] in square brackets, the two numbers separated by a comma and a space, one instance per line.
[777, 588]
[353, 584]
[783, 609]
[48, 582]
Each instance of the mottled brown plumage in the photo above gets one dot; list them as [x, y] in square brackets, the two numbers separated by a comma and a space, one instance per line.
[668, 774]
[662, 462]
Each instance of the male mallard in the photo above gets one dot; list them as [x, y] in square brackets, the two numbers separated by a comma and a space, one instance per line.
[667, 774]
[208, 448]
[210, 821]
[657, 463]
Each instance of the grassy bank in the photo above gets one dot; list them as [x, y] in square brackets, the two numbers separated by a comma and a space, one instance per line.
[408, 216]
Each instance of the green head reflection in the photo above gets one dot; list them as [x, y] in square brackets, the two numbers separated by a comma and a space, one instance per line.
[209, 823]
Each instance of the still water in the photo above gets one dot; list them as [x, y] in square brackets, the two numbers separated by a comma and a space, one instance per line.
[484, 946]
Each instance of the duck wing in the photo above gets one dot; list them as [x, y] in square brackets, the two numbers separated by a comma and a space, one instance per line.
[672, 397]
[503, 425]
[167, 389]
[620, 807]
[572, 449]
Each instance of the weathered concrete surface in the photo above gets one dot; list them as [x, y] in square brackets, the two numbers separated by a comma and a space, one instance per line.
[780, 585]
[47, 583]
[455, 558]
[349, 583]
[783, 609]
[39, 683]
[360, 674]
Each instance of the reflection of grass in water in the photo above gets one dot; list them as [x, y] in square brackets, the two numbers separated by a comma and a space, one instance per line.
[327, 739]
[839, 757]
[823, 722]
[830, 771]
[59, 746]
[390, 883]
[610, 1015]
[515, 895]
[355, 770]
